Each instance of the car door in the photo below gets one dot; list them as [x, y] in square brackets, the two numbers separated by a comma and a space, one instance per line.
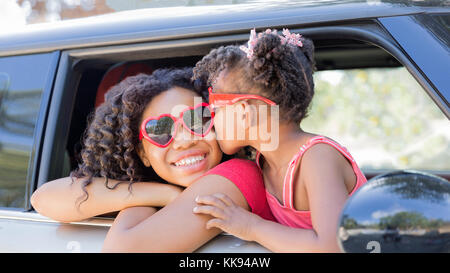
[29, 105]
[25, 88]
[428, 48]
[24, 230]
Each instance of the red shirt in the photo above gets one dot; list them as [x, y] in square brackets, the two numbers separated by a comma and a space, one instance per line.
[246, 175]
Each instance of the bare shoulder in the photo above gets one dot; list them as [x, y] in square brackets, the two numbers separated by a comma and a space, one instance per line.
[211, 184]
[322, 162]
[323, 153]
[320, 174]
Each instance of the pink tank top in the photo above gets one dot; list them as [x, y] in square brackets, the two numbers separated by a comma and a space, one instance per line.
[285, 213]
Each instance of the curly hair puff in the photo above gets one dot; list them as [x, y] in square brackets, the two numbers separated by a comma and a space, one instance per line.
[282, 72]
[111, 138]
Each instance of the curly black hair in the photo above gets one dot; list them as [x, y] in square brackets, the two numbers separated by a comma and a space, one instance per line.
[280, 71]
[112, 136]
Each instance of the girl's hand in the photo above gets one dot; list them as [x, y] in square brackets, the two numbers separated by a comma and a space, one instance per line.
[227, 216]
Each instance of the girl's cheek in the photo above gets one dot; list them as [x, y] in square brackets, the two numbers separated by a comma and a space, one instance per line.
[215, 153]
[219, 127]
[157, 158]
[227, 126]
[167, 174]
[226, 132]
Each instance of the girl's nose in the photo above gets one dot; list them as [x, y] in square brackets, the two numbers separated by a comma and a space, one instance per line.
[183, 138]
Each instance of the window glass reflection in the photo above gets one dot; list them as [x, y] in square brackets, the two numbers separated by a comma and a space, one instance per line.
[22, 80]
[383, 116]
[403, 211]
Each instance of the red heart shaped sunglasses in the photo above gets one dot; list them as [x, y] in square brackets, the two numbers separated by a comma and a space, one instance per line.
[198, 120]
[161, 130]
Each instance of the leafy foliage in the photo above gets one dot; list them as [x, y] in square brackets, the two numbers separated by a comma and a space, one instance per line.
[383, 116]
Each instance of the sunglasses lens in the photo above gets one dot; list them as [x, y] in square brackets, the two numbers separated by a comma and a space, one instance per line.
[198, 120]
[160, 130]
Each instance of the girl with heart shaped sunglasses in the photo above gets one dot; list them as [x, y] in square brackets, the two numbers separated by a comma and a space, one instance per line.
[137, 141]
[307, 177]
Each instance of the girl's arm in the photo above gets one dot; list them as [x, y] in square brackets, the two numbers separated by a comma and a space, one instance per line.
[132, 216]
[61, 199]
[174, 228]
[322, 171]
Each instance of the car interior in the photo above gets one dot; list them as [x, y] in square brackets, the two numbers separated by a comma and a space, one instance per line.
[98, 74]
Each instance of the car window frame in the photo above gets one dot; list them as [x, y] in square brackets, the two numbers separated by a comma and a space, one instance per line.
[35, 158]
[39, 126]
[57, 127]
[55, 115]
[400, 28]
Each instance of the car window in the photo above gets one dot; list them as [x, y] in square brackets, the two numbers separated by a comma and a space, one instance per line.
[22, 80]
[439, 25]
[383, 116]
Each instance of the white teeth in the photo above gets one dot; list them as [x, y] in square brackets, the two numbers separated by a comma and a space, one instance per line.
[189, 161]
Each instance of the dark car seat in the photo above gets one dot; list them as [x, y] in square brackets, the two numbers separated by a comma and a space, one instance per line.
[116, 74]
[112, 76]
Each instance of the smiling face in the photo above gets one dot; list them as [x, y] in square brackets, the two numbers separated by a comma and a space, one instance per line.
[187, 157]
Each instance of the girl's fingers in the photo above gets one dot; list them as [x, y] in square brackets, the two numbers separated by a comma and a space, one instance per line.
[211, 200]
[215, 223]
[211, 210]
[224, 198]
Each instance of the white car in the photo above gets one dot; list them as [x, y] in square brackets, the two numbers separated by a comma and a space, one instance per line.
[49, 75]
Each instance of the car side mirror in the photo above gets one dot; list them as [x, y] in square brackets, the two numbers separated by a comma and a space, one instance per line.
[404, 211]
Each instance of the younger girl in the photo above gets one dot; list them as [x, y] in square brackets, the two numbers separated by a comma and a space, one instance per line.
[308, 177]
[151, 123]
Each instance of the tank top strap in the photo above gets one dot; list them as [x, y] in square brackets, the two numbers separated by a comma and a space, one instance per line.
[337, 146]
[288, 186]
[288, 175]
[258, 155]
[288, 183]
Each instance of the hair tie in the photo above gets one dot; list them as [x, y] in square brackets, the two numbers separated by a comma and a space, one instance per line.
[290, 38]
[250, 44]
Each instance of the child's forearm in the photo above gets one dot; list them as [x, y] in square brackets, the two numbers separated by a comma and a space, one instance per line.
[280, 238]
[61, 199]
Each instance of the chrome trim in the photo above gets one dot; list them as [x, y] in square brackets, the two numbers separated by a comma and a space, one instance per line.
[402, 211]
[36, 217]
[137, 26]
